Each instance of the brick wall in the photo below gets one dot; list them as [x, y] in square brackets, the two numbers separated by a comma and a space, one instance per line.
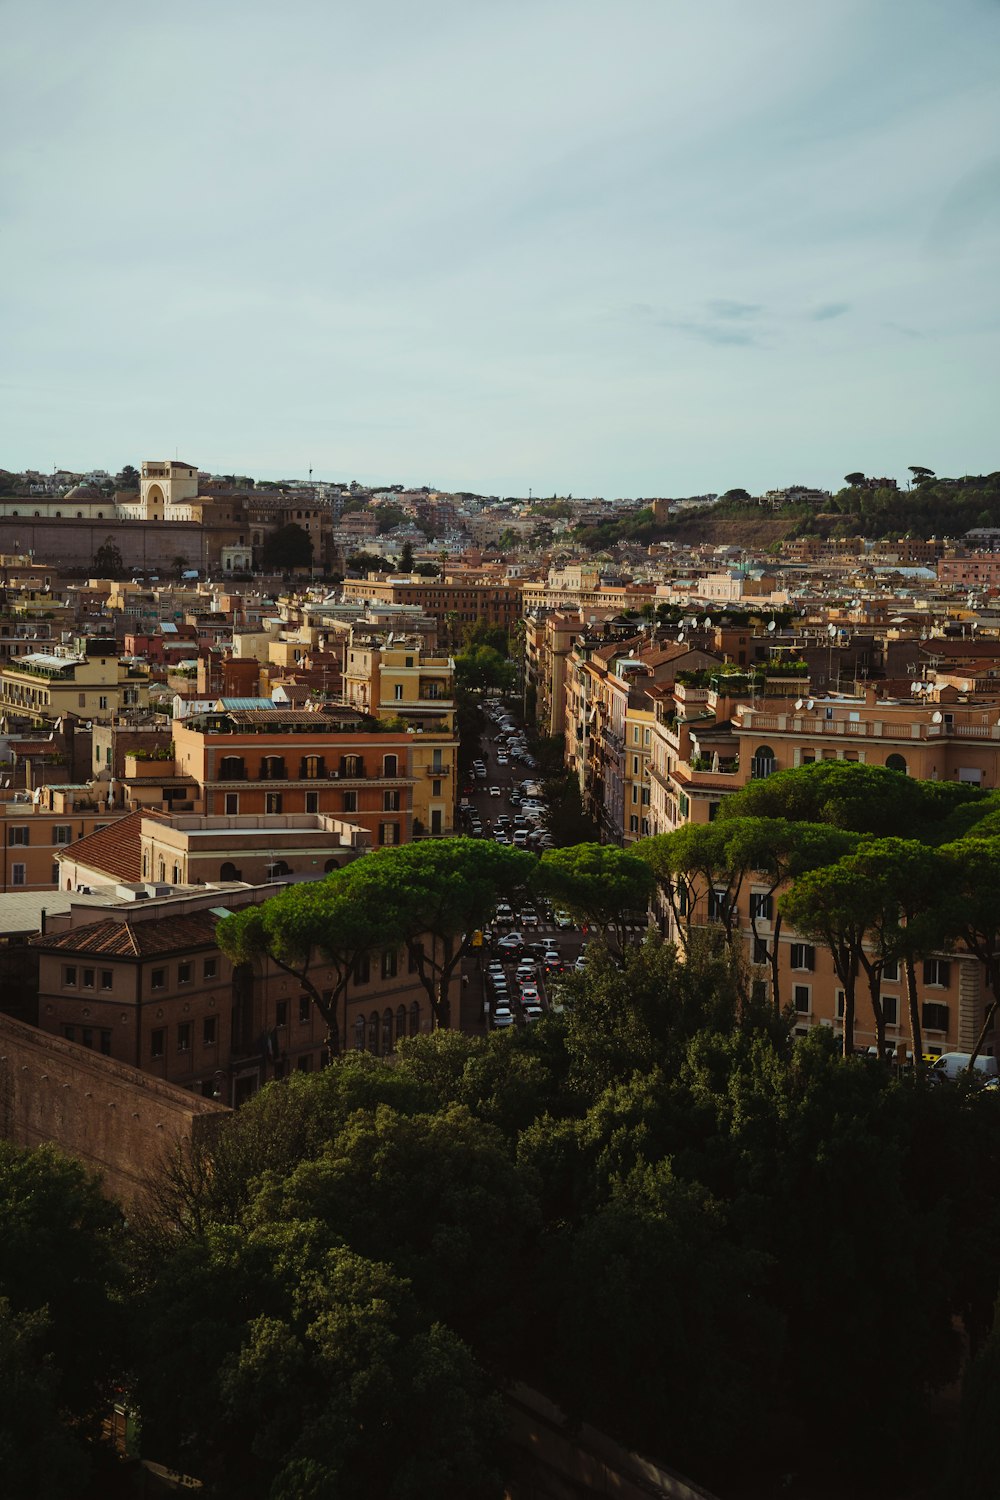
[109, 1116]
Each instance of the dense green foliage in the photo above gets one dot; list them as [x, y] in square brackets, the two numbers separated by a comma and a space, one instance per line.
[288, 547]
[717, 1246]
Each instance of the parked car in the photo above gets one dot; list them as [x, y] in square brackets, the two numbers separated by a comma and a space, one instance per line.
[951, 1066]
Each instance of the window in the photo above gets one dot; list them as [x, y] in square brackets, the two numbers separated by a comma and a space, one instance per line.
[210, 968]
[802, 998]
[373, 1032]
[362, 969]
[390, 801]
[935, 1017]
[305, 1006]
[210, 1031]
[840, 1001]
[890, 971]
[718, 905]
[62, 834]
[18, 874]
[890, 1009]
[359, 1034]
[313, 766]
[312, 802]
[352, 765]
[157, 1042]
[232, 804]
[102, 701]
[390, 765]
[386, 1033]
[231, 768]
[388, 833]
[763, 763]
[415, 1018]
[350, 802]
[760, 953]
[54, 878]
[19, 838]
[281, 1013]
[104, 1037]
[304, 1063]
[69, 977]
[69, 1032]
[185, 973]
[401, 1021]
[184, 1036]
[272, 768]
[87, 1036]
[107, 979]
[272, 802]
[895, 763]
[761, 906]
[390, 965]
[158, 980]
[803, 956]
[88, 979]
[633, 822]
[398, 692]
[937, 971]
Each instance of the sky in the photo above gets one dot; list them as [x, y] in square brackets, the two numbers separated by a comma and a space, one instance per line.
[649, 247]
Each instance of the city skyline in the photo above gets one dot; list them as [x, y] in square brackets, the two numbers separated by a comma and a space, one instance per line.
[565, 250]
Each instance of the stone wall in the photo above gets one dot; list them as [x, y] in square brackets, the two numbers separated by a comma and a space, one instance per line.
[73, 543]
[113, 1118]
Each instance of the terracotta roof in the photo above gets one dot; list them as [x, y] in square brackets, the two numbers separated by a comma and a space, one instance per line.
[116, 849]
[140, 939]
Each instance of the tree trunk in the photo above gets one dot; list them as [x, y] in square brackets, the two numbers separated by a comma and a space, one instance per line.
[775, 966]
[874, 976]
[913, 1003]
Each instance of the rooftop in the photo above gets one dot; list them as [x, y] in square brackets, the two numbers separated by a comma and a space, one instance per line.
[140, 939]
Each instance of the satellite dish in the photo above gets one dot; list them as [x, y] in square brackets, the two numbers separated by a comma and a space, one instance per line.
[831, 631]
[937, 716]
[680, 636]
[799, 702]
[914, 687]
[810, 703]
[772, 626]
[708, 622]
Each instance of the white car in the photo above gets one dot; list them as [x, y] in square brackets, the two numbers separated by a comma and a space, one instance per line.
[494, 791]
[562, 919]
[527, 971]
[529, 916]
[502, 759]
[502, 1019]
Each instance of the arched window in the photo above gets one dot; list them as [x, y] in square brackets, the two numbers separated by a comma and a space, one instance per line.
[764, 763]
[895, 763]
[352, 765]
[330, 866]
[161, 870]
[272, 768]
[312, 767]
[231, 768]
[276, 869]
[229, 871]
[145, 864]
[415, 1018]
[401, 1022]
[390, 765]
[177, 875]
[373, 1031]
[359, 1034]
[386, 1033]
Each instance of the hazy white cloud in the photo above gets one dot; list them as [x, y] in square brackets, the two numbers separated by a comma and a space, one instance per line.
[640, 248]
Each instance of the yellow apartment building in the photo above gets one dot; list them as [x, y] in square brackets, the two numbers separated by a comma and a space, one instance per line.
[398, 680]
[95, 684]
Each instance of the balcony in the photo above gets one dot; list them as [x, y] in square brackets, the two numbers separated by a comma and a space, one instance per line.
[437, 770]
